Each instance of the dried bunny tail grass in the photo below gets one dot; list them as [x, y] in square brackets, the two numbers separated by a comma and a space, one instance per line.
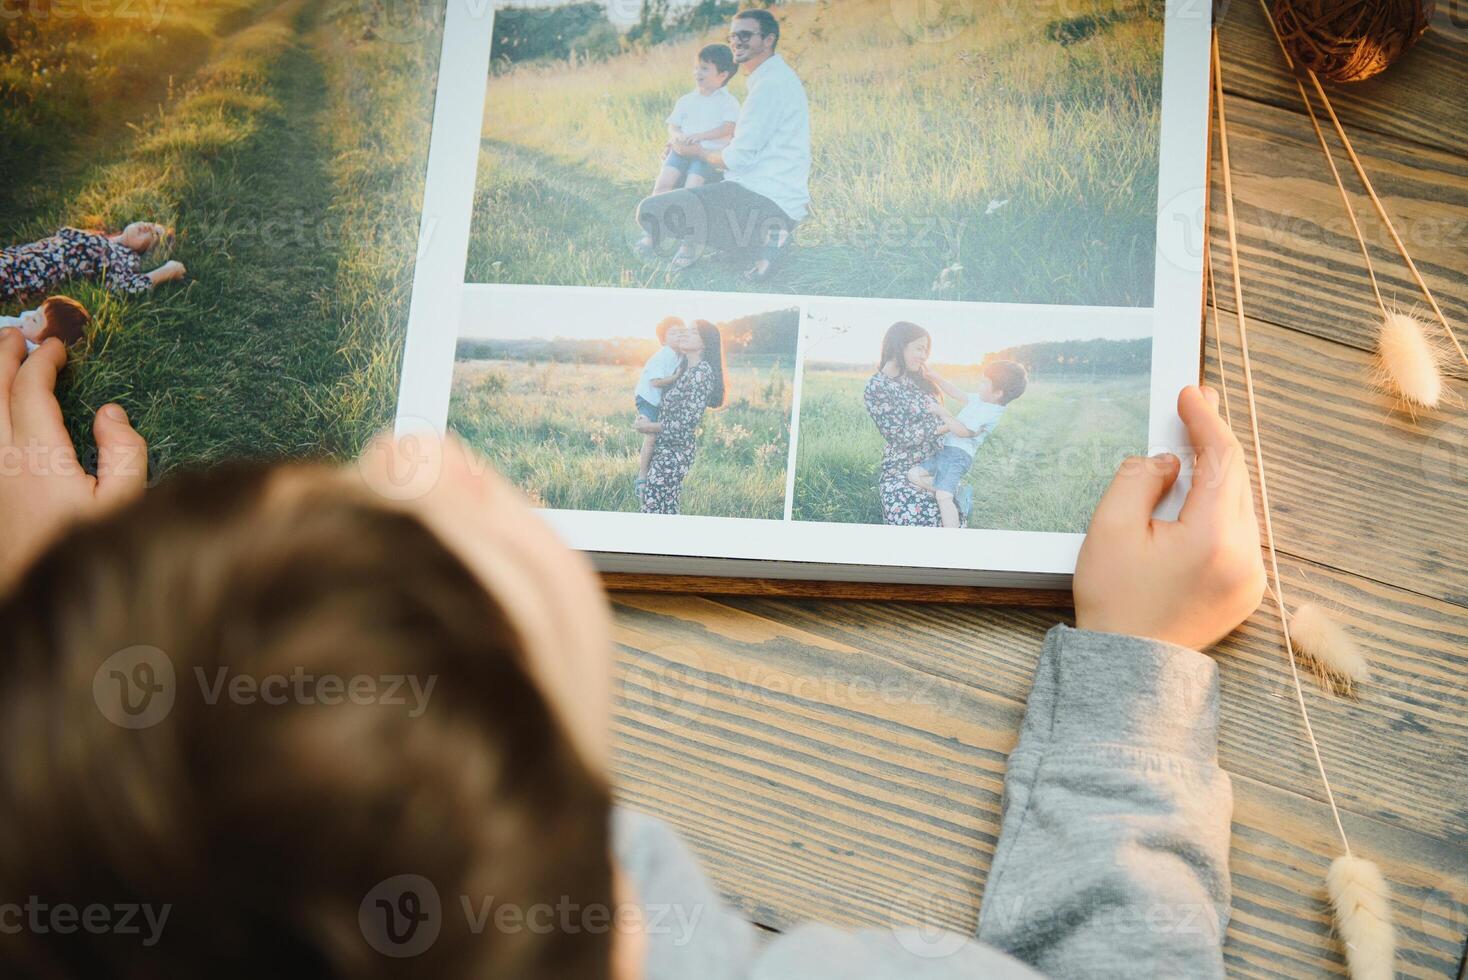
[1409, 363]
[1361, 901]
[1332, 651]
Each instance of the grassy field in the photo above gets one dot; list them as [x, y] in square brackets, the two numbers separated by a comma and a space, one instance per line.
[288, 151]
[913, 140]
[563, 434]
[1043, 469]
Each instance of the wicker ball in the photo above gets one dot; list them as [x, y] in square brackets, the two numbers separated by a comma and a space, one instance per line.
[1348, 40]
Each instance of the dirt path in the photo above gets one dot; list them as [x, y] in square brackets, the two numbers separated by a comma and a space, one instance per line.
[243, 359]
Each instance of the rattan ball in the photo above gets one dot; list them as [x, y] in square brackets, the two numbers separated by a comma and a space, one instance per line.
[1349, 40]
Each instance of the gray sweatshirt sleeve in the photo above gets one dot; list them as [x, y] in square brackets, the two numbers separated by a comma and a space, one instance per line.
[1113, 852]
[1112, 857]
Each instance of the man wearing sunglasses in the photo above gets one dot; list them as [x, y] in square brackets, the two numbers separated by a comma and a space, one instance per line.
[765, 191]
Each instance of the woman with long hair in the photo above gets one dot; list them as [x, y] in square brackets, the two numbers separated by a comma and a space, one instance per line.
[701, 387]
[899, 398]
[113, 259]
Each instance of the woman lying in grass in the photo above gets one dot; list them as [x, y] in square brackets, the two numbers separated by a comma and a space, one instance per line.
[114, 260]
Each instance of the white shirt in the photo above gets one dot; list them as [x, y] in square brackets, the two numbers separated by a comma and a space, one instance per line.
[660, 365]
[977, 416]
[15, 321]
[699, 113]
[770, 153]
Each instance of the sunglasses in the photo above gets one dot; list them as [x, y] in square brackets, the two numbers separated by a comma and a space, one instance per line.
[743, 37]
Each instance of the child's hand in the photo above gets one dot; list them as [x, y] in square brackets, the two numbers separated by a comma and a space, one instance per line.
[43, 487]
[1189, 581]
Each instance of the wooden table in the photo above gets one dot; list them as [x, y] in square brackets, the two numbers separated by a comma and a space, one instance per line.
[843, 761]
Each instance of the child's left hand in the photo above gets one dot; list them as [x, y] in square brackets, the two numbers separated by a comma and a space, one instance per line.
[43, 487]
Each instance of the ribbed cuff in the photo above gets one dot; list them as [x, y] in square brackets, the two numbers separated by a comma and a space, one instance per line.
[1126, 691]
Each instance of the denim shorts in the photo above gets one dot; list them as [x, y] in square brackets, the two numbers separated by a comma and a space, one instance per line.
[948, 468]
[689, 165]
[647, 409]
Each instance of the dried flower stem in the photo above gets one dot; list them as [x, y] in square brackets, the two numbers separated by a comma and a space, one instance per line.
[1279, 597]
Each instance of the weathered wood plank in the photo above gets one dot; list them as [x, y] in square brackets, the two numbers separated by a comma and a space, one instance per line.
[1355, 483]
[1399, 753]
[822, 775]
[1419, 98]
[1300, 261]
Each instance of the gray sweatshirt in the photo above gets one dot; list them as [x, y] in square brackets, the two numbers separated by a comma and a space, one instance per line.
[1112, 858]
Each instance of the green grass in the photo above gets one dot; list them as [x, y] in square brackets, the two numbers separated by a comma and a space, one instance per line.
[911, 142]
[1043, 469]
[291, 163]
[563, 434]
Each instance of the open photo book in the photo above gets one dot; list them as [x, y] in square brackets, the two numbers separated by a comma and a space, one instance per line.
[872, 291]
[877, 291]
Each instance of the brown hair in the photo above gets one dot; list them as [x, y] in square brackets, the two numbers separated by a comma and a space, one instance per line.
[713, 355]
[268, 828]
[664, 325]
[66, 320]
[895, 341]
[722, 58]
[1009, 377]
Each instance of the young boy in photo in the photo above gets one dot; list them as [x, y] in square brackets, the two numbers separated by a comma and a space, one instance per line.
[60, 316]
[705, 116]
[361, 838]
[660, 371]
[941, 475]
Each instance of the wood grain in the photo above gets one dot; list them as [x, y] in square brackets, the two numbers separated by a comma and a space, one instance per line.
[1419, 99]
[1299, 258]
[1356, 483]
[848, 768]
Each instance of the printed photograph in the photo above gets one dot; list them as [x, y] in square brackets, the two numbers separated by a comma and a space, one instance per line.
[639, 402]
[1006, 419]
[1004, 153]
[214, 205]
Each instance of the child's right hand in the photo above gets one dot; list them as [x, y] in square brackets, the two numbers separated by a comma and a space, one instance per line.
[1189, 581]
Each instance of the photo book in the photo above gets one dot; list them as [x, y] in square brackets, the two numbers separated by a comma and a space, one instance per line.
[871, 292]
[862, 292]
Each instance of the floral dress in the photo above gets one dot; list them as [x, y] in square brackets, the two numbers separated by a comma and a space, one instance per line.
[70, 254]
[672, 455]
[899, 407]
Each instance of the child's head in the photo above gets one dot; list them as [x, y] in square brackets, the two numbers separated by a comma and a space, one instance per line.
[145, 236]
[1003, 381]
[260, 696]
[60, 317]
[714, 67]
[668, 325]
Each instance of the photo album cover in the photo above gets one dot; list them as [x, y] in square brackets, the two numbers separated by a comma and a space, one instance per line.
[875, 291]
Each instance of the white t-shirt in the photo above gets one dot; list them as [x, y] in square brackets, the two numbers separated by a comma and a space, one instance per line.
[699, 113]
[977, 416]
[660, 365]
[15, 321]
